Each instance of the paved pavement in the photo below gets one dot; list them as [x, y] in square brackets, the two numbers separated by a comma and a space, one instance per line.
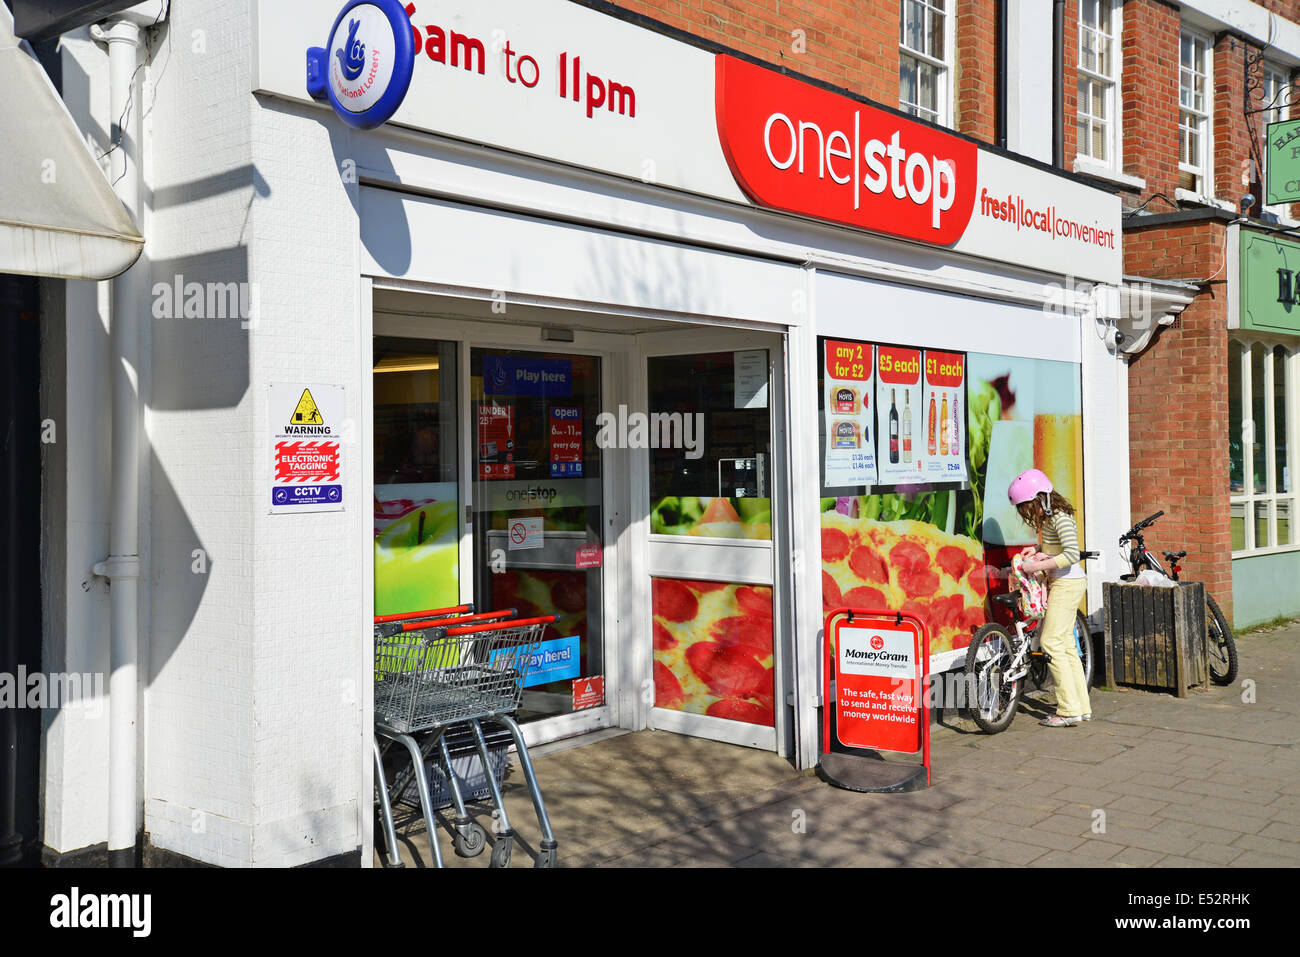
[1208, 781]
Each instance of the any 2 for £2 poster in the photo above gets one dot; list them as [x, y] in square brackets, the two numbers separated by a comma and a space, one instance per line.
[850, 449]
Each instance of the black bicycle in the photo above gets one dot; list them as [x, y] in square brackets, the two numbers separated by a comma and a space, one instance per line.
[1223, 646]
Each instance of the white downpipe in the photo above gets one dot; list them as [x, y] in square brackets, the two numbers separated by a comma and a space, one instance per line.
[122, 567]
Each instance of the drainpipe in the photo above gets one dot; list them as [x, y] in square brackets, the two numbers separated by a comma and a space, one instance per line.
[123, 33]
[1058, 83]
[1000, 90]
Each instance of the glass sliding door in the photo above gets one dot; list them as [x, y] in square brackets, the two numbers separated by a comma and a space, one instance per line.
[417, 501]
[537, 513]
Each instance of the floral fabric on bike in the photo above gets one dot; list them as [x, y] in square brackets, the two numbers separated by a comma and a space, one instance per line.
[1032, 589]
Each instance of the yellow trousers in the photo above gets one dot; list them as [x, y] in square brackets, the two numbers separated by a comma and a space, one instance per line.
[1063, 599]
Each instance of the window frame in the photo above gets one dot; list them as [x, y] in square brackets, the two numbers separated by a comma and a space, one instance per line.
[945, 68]
[1114, 135]
[1243, 504]
[1204, 184]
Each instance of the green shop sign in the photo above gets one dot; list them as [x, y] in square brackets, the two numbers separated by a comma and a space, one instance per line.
[1282, 164]
[1270, 283]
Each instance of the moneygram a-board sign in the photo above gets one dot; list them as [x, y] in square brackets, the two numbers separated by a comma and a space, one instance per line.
[564, 82]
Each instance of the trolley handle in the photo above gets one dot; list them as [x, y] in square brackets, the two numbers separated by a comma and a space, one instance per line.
[429, 613]
[457, 630]
[423, 625]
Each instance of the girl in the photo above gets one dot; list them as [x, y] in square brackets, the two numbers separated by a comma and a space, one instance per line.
[1051, 516]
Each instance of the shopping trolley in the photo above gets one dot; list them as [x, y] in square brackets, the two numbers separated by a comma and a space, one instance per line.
[453, 668]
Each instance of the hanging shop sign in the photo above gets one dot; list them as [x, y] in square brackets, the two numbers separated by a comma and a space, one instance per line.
[305, 423]
[1282, 163]
[564, 82]
[1270, 283]
[365, 70]
[849, 410]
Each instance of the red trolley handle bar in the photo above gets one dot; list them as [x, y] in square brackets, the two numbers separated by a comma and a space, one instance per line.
[424, 625]
[924, 664]
[458, 630]
[430, 613]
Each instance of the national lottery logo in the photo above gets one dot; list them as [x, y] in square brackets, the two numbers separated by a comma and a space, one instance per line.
[365, 69]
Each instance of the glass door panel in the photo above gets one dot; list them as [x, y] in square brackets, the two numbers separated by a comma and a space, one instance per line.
[416, 507]
[714, 655]
[538, 510]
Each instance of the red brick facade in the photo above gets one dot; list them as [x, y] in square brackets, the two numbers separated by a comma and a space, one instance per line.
[1178, 404]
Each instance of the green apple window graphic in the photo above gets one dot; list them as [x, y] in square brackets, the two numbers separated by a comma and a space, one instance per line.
[415, 555]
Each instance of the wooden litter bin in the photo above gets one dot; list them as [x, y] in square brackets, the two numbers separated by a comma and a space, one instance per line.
[1156, 637]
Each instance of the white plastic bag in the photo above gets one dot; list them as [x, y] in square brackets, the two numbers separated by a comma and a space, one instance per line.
[1153, 579]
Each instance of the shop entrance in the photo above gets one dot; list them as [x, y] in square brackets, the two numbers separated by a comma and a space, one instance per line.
[715, 508]
[622, 478]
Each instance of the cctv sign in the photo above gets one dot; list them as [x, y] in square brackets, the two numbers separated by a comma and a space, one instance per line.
[798, 148]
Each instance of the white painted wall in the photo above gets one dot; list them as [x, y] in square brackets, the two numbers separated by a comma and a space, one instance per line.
[1029, 77]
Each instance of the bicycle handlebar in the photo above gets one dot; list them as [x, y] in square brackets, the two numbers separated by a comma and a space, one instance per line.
[1139, 526]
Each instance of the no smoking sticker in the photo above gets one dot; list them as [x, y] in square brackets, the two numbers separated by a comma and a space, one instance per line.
[525, 533]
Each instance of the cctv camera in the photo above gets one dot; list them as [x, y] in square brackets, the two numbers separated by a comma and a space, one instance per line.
[1247, 202]
[1114, 338]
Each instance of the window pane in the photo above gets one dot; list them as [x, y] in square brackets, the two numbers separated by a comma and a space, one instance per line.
[1282, 474]
[1099, 140]
[1103, 15]
[1237, 522]
[1185, 52]
[1088, 50]
[913, 25]
[1257, 399]
[714, 483]
[1235, 482]
[929, 96]
[936, 47]
[906, 81]
[1099, 101]
[1261, 525]
[1082, 127]
[416, 506]
[1285, 509]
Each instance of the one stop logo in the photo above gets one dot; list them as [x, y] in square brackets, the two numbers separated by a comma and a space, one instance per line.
[795, 147]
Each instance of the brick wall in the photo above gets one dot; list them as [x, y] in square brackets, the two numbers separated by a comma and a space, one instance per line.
[850, 43]
[1149, 93]
[1178, 405]
[975, 94]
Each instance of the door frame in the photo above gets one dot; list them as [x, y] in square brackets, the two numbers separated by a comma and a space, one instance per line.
[684, 342]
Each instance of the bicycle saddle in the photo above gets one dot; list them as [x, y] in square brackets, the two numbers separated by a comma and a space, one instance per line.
[1008, 599]
[1174, 556]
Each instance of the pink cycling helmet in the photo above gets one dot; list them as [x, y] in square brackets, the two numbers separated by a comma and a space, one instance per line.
[1027, 485]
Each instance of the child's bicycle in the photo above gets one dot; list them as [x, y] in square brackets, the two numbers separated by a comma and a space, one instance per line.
[999, 660]
[1222, 645]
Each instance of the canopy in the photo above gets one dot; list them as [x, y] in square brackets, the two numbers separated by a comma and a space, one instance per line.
[58, 215]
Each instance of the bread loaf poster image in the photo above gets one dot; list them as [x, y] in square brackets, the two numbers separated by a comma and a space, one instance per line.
[848, 403]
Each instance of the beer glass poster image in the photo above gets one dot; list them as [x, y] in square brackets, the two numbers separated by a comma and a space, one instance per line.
[899, 415]
[945, 429]
[850, 448]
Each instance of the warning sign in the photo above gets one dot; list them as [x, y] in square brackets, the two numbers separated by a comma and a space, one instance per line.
[306, 449]
[588, 692]
[307, 412]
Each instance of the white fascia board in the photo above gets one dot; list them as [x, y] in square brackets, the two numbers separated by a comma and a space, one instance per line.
[1250, 20]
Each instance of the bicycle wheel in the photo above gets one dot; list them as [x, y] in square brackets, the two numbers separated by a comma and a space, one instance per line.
[1083, 642]
[1223, 647]
[993, 700]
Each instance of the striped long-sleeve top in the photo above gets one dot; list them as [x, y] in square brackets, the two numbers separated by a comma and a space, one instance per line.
[1060, 539]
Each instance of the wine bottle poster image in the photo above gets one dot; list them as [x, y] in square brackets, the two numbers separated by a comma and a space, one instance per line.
[899, 416]
[945, 430]
[850, 448]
